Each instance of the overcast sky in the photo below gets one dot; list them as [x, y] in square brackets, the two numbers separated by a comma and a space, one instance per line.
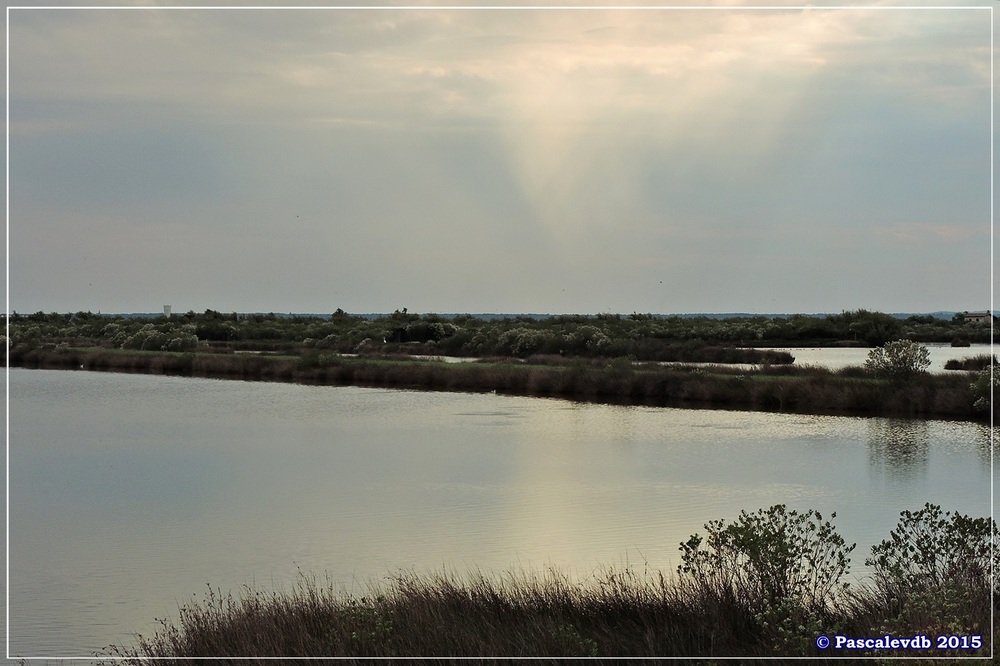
[519, 160]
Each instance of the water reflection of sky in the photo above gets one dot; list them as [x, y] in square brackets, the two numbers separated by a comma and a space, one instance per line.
[129, 492]
[835, 358]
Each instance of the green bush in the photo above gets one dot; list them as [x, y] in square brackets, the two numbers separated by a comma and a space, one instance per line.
[933, 574]
[181, 342]
[769, 557]
[898, 360]
[519, 342]
[987, 382]
[930, 549]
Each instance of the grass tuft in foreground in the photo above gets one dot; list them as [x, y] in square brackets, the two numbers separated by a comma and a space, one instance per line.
[767, 584]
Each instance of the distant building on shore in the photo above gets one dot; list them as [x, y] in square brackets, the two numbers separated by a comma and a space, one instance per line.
[978, 318]
[166, 311]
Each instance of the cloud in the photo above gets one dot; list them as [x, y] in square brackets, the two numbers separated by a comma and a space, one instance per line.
[511, 153]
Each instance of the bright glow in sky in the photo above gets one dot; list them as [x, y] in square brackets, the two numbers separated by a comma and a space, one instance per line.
[518, 160]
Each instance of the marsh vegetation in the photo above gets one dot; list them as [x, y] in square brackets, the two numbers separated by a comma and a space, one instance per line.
[605, 358]
[643, 337]
[766, 584]
[769, 387]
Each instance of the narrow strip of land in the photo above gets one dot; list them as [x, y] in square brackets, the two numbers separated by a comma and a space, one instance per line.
[768, 387]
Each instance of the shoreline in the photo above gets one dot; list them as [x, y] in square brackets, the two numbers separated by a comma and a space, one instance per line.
[768, 584]
[781, 389]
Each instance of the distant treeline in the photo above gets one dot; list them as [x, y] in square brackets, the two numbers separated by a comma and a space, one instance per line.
[643, 337]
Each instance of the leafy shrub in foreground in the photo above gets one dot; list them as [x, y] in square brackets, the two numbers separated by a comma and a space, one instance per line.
[769, 557]
[932, 574]
[929, 548]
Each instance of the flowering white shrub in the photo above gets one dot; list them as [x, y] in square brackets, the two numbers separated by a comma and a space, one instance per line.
[898, 359]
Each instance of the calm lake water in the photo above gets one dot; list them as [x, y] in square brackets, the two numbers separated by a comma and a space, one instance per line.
[841, 357]
[130, 493]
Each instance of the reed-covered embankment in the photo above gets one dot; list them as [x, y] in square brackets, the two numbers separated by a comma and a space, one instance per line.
[772, 388]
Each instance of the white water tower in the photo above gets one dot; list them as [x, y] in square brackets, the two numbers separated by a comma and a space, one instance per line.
[166, 311]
